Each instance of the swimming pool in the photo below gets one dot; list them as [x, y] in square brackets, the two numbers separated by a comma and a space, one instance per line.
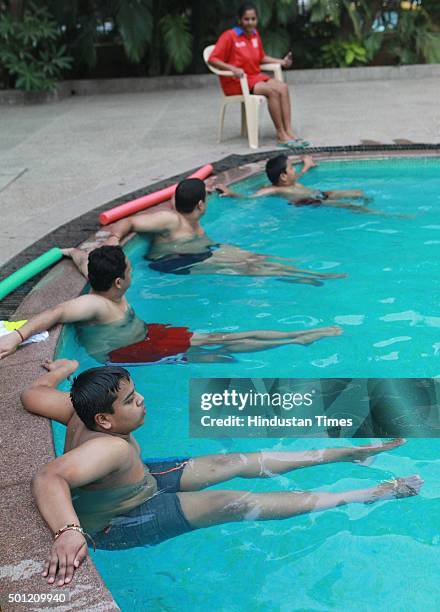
[340, 559]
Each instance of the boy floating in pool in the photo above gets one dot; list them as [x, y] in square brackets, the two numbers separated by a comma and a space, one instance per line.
[106, 323]
[101, 491]
[179, 244]
[284, 182]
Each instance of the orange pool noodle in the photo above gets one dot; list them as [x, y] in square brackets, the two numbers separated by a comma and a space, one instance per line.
[129, 208]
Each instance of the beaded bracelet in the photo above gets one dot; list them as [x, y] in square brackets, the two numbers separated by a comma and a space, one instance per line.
[73, 527]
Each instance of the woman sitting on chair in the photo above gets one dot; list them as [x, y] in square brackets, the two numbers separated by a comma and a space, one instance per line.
[240, 51]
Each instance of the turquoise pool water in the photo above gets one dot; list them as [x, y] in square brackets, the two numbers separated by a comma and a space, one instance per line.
[350, 558]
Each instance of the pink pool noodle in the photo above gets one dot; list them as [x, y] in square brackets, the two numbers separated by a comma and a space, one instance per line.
[129, 208]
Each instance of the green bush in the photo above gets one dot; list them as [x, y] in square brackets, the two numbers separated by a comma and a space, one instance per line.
[343, 53]
[29, 50]
[416, 39]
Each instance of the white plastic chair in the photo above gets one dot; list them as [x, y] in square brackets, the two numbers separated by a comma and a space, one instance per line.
[250, 103]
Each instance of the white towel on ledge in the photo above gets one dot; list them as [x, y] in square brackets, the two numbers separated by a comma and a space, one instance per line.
[7, 327]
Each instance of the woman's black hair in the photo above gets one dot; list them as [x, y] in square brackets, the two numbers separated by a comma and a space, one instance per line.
[106, 264]
[246, 6]
[95, 390]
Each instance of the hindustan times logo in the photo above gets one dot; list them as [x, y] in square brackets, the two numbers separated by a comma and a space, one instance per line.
[252, 399]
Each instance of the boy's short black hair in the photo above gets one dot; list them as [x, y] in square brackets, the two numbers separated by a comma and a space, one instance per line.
[246, 6]
[106, 264]
[275, 167]
[95, 390]
[189, 192]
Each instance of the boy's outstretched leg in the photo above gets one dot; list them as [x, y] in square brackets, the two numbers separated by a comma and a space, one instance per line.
[345, 193]
[260, 340]
[207, 508]
[208, 470]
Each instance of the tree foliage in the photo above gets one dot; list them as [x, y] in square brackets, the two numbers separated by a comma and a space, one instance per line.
[416, 38]
[404, 29]
[30, 52]
[177, 40]
[135, 25]
[344, 53]
[168, 36]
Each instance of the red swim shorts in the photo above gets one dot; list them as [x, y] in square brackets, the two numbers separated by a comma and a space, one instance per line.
[161, 341]
[232, 87]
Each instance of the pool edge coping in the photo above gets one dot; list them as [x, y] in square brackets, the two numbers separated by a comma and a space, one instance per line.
[64, 282]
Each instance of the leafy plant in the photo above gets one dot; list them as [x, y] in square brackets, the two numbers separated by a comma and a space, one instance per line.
[29, 50]
[177, 40]
[150, 31]
[275, 22]
[161, 37]
[416, 38]
[135, 24]
[325, 10]
[357, 43]
[343, 53]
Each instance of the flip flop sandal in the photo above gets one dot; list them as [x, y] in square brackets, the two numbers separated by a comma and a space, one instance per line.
[298, 143]
[295, 144]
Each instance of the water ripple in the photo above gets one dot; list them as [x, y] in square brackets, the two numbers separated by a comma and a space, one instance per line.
[393, 356]
[327, 361]
[413, 317]
[392, 341]
[352, 319]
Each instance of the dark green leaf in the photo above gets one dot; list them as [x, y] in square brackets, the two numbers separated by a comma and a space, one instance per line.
[178, 40]
[135, 24]
[276, 43]
[264, 10]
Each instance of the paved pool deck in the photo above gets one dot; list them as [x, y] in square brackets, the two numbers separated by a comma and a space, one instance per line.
[62, 159]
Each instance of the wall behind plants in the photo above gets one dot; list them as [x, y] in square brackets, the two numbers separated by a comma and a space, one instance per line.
[116, 38]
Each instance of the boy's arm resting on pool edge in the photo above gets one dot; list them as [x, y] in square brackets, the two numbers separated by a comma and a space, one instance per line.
[82, 308]
[51, 487]
[153, 223]
[307, 164]
[43, 398]
[224, 191]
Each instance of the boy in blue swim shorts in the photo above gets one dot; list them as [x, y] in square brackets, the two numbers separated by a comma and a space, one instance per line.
[100, 492]
[179, 244]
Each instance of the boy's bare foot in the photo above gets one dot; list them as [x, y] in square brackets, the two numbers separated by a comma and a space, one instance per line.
[331, 330]
[362, 454]
[78, 256]
[69, 365]
[396, 488]
[315, 334]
